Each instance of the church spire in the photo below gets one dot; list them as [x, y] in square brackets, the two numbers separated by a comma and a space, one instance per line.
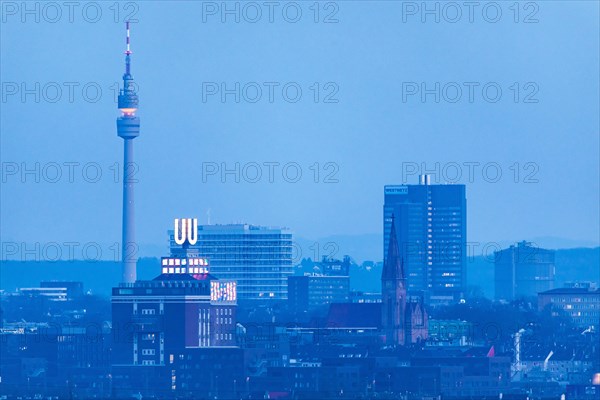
[393, 266]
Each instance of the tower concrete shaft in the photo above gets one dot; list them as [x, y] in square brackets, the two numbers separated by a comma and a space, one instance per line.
[128, 128]
[129, 246]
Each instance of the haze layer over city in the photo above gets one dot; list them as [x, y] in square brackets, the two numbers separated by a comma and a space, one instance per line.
[300, 200]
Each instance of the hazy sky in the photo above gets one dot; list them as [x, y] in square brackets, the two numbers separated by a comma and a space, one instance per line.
[360, 122]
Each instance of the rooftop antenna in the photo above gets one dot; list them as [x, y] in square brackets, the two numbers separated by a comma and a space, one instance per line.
[127, 51]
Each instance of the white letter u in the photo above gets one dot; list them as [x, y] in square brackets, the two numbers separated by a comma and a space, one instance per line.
[179, 234]
[192, 231]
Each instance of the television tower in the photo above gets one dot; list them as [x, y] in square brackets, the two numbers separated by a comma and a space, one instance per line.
[128, 128]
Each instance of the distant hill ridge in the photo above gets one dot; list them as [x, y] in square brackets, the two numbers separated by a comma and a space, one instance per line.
[582, 264]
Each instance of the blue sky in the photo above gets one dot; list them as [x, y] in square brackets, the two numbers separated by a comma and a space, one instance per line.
[367, 61]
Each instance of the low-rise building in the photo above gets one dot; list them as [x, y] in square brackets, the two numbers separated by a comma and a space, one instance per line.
[582, 304]
[175, 335]
[314, 291]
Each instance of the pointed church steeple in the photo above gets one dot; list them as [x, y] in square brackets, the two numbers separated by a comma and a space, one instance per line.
[393, 266]
[404, 322]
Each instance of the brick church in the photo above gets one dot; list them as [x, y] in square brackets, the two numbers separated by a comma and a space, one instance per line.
[404, 320]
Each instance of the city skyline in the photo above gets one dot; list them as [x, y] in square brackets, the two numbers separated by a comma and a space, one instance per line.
[275, 122]
[227, 132]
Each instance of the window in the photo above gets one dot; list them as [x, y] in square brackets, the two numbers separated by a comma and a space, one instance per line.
[148, 311]
[148, 352]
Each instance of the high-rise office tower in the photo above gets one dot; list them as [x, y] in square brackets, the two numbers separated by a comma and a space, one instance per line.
[523, 270]
[258, 258]
[128, 128]
[431, 227]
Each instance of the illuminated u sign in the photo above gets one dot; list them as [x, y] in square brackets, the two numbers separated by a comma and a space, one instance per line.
[189, 231]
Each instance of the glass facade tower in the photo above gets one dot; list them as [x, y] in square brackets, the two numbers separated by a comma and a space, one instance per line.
[431, 227]
[258, 258]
